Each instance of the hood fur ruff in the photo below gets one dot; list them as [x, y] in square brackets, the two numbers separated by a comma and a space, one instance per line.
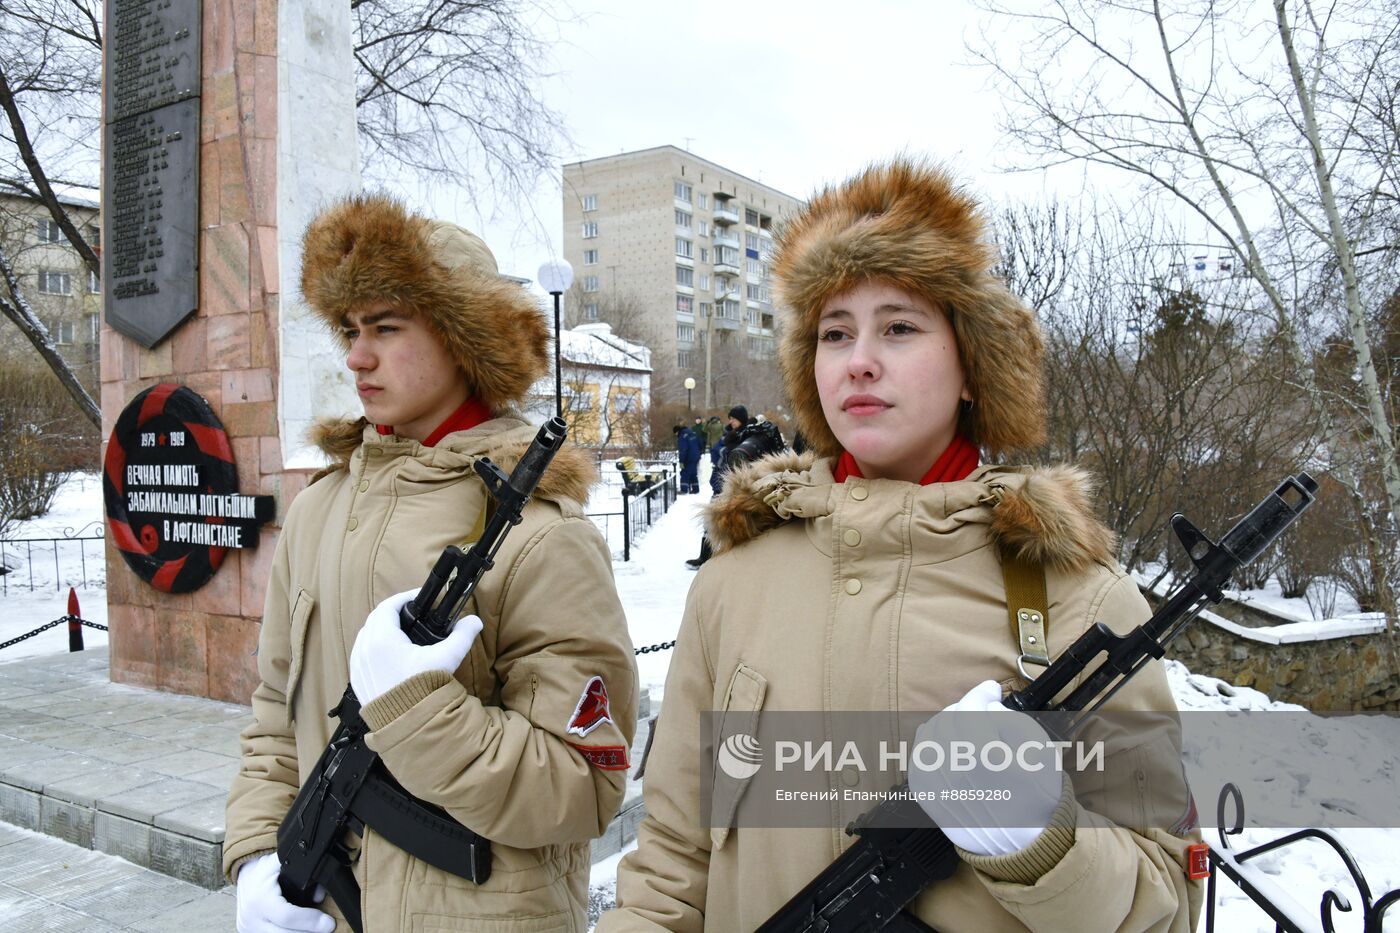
[905, 224]
[1045, 518]
[370, 249]
[570, 475]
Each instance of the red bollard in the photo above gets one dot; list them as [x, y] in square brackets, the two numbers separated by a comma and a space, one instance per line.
[75, 627]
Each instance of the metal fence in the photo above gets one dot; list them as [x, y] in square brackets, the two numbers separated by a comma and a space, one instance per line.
[75, 559]
[1271, 897]
[641, 505]
[640, 510]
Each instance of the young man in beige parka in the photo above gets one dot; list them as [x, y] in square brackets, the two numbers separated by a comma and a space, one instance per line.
[866, 575]
[519, 723]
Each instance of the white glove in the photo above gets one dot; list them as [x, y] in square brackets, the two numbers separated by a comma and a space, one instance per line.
[1030, 796]
[263, 909]
[384, 657]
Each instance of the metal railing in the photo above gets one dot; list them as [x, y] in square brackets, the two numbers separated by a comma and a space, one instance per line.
[1286, 913]
[640, 510]
[24, 562]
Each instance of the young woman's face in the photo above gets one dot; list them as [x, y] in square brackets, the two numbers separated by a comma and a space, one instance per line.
[889, 378]
[403, 373]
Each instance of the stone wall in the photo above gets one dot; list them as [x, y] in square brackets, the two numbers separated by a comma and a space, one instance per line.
[1352, 672]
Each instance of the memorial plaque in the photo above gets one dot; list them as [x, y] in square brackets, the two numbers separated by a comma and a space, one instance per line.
[150, 211]
[170, 486]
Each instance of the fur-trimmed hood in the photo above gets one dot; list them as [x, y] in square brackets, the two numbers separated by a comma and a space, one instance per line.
[369, 249]
[1041, 514]
[570, 475]
[907, 225]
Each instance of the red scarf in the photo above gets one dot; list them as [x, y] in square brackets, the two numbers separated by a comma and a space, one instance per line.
[955, 463]
[468, 415]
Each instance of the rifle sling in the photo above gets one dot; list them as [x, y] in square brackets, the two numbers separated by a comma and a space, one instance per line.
[1028, 609]
[421, 829]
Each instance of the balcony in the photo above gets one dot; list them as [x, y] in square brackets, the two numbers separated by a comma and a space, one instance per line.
[725, 214]
[726, 266]
[726, 239]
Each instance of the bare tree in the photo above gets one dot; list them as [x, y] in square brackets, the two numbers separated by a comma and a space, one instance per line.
[1277, 132]
[450, 88]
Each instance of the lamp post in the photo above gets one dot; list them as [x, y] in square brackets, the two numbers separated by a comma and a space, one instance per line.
[556, 277]
[689, 384]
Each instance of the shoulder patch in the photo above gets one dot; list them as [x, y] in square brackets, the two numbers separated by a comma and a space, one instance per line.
[604, 757]
[592, 709]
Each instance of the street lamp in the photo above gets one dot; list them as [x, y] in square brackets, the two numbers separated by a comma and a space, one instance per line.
[689, 384]
[556, 277]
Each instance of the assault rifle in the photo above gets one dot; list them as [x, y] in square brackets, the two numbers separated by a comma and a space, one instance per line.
[901, 852]
[350, 788]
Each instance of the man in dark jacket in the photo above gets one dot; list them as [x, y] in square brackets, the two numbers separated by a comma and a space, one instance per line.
[688, 446]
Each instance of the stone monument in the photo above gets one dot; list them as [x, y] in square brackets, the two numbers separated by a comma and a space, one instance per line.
[227, 126]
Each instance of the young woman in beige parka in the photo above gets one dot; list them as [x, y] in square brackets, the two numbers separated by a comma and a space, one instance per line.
[523, 734]
[867, 575]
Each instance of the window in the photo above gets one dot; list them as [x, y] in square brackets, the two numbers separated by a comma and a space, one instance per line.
[590, 311]
[590, 257]
[94, 328]
[683, 360]
[704, 228]
[684, 304]
[590, 283]
[55, 283]
[684, 247]
[682, 219]
[682, 192]
[582, 401]
[751, 241]
[590, 202]
[49, 232]
[62, 332]
[704, 254]
[703, 202]
[755, 292]
[726, 255]
[685, 276]
[94, 283]
[94, 235]
[624, 403]
[755, 267]
[706, 309]
[704, 283]
[590, 229]
[685, 333]
[751, 217]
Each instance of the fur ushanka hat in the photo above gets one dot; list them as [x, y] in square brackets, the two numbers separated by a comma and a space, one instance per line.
[906, 225]
[370, 249]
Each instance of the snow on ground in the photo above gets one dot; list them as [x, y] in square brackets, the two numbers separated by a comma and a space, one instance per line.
[76, 507]
[653, 587]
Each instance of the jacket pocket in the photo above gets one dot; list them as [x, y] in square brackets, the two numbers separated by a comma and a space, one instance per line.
[301, 617]
[742, 702]
[545, 923]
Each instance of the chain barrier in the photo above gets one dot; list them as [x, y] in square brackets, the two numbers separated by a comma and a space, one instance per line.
[664, 646]
[45, 627]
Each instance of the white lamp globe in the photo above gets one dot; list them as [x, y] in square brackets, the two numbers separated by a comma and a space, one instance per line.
[556, 276]
[689, 382]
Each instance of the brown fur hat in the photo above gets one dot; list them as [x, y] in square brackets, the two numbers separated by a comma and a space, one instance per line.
[369, 249]
[905, 224]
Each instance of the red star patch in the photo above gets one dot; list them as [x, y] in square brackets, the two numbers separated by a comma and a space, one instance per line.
[592, 709]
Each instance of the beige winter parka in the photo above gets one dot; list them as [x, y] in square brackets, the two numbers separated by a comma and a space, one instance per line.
[492, 745]
[881, 595]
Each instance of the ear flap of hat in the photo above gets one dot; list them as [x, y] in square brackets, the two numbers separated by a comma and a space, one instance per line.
[369, 250]
[906, 225]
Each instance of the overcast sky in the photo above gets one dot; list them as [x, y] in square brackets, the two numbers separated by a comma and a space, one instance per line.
[792, 94]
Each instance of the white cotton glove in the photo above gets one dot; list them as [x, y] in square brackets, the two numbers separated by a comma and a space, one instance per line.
[263, 909]
[384, 657]
[1030, 796]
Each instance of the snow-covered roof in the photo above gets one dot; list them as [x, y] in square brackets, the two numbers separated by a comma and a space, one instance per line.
[597, 345]
[71, 195]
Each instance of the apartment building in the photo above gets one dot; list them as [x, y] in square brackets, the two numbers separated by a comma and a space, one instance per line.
[52, 276]
[687, 241]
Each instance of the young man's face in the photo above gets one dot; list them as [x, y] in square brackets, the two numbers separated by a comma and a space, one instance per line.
[403, 374]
